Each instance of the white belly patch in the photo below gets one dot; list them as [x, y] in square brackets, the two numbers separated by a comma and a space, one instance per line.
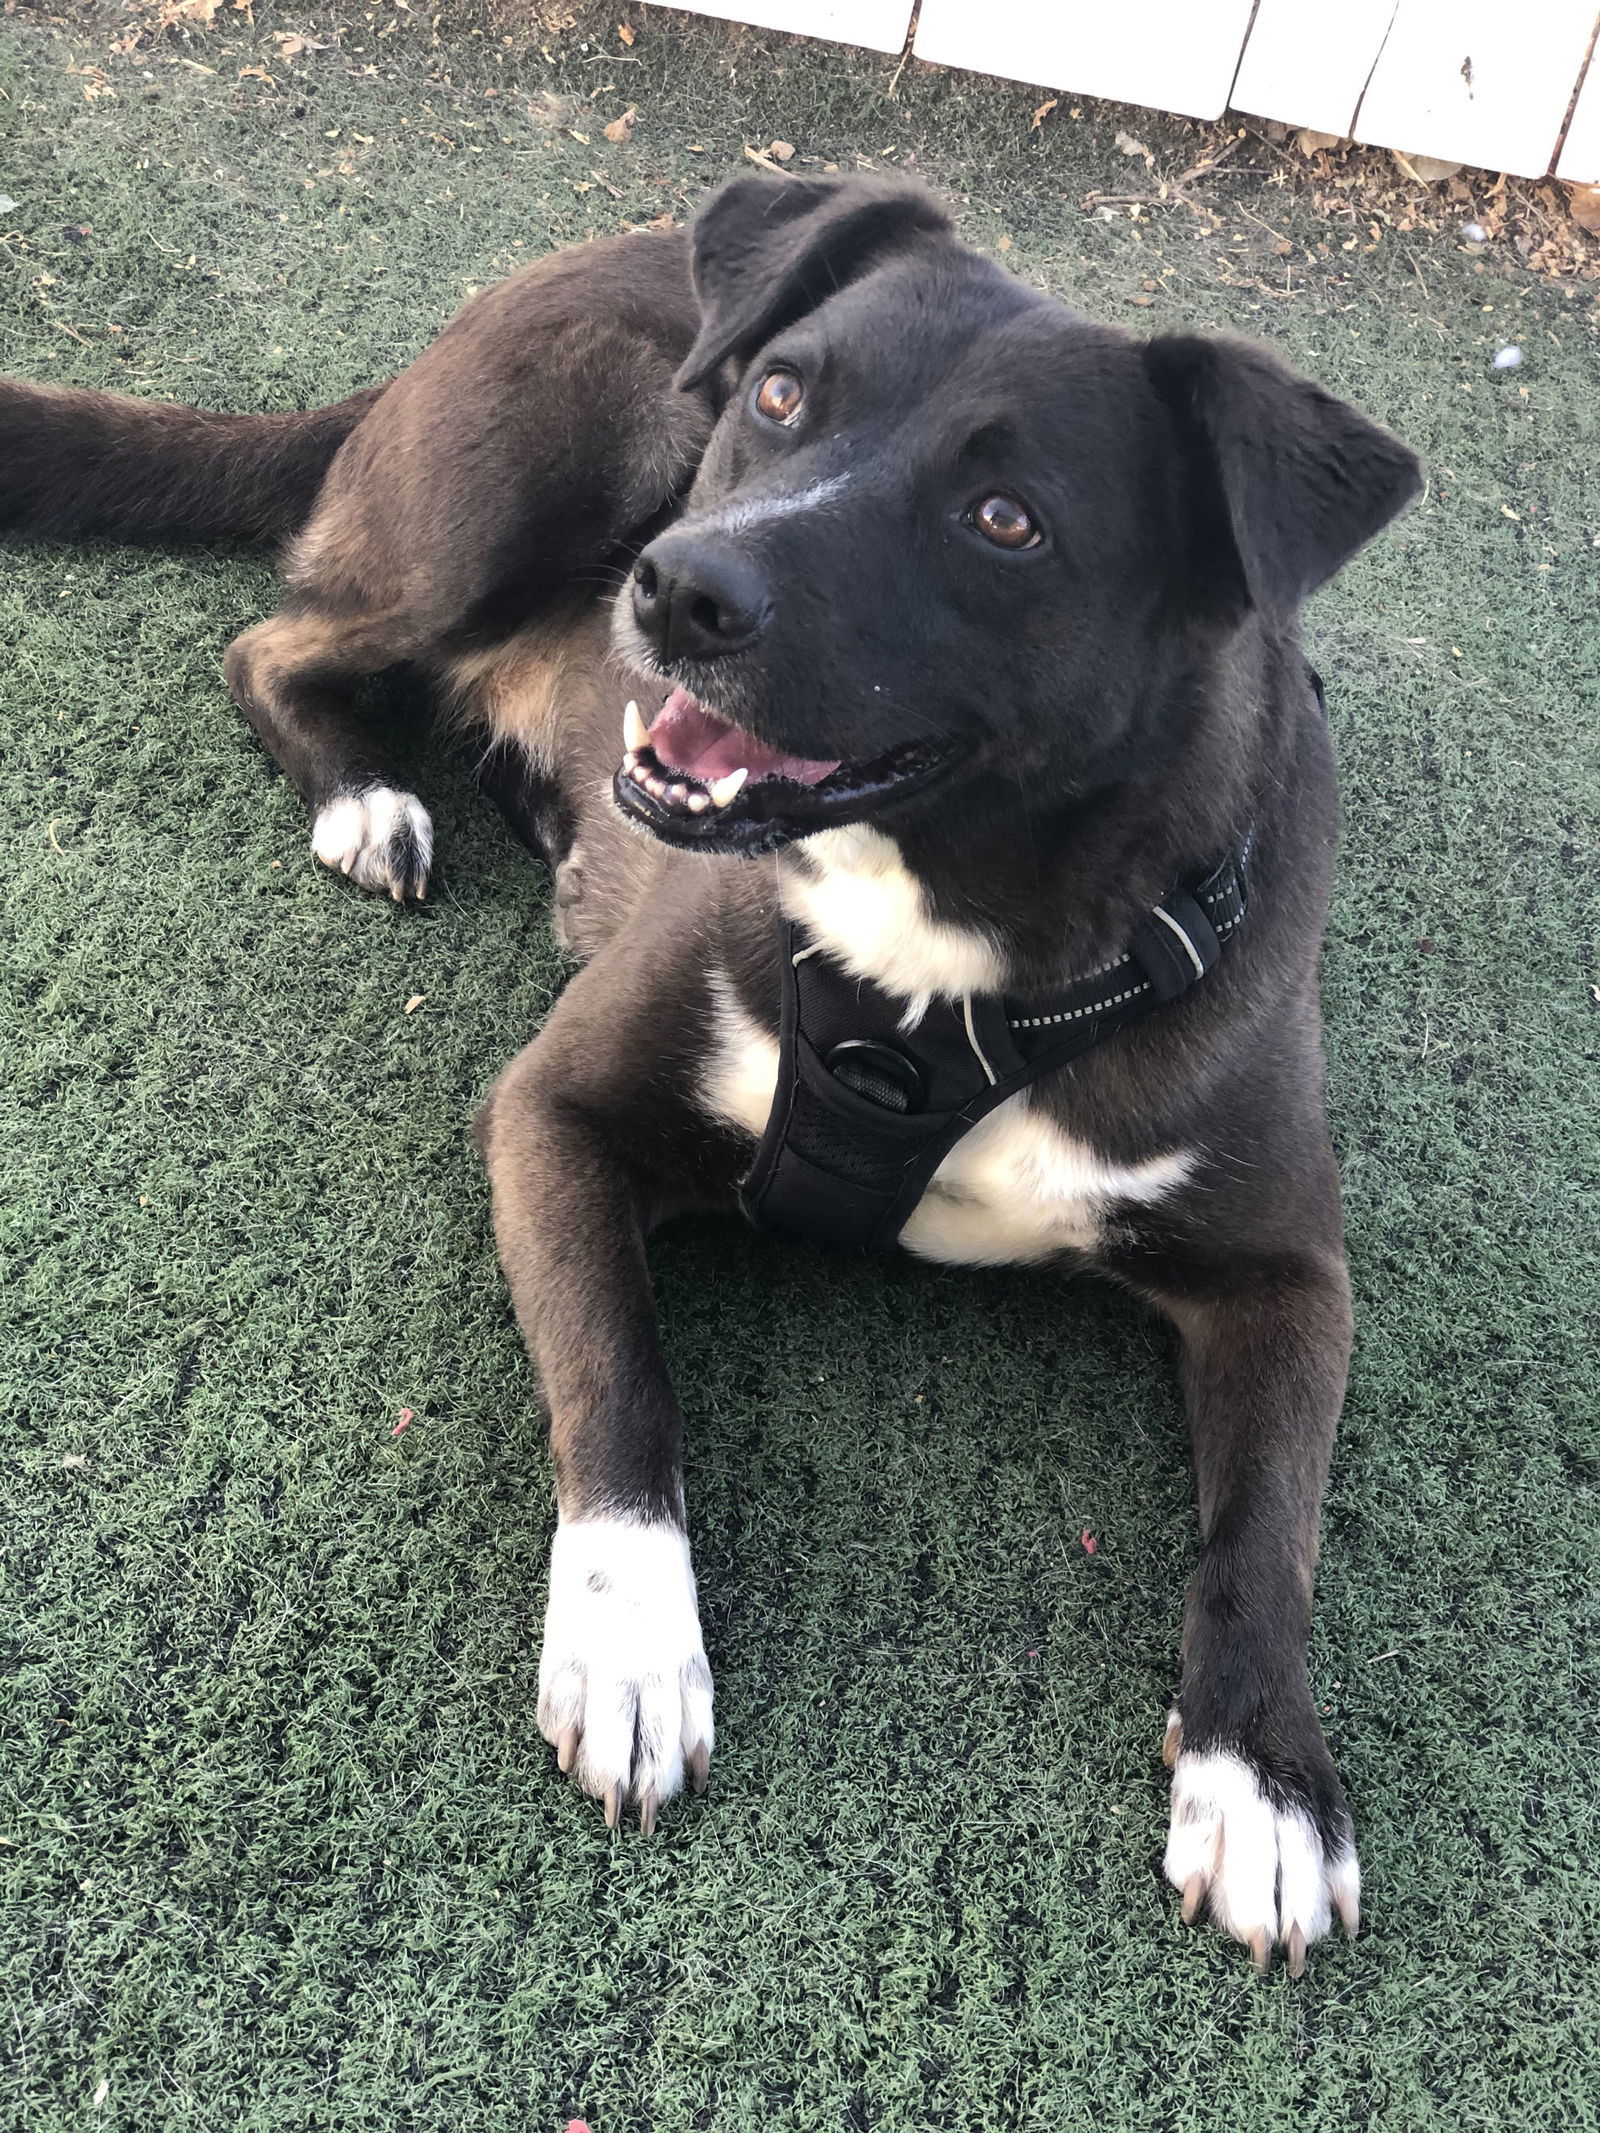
[1014, 1188]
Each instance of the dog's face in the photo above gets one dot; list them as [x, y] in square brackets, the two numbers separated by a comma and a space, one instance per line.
[949, 539]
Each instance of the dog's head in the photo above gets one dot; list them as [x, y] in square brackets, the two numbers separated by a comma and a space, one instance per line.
[948, 532]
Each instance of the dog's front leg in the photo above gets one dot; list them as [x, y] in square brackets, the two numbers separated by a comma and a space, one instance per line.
[1260, 1832]
[624, 1687]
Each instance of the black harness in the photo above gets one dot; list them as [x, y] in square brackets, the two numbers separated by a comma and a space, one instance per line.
[865, 1112]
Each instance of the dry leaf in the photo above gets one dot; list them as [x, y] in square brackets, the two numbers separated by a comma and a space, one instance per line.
[621, 129]
[1585, 200]
[1427, 170]
[624, 33]
[781, 151]
[1131, 145]
[1002, 244]
[414, 1003]
[1042, 114]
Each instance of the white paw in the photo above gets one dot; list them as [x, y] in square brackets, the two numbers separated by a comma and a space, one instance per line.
[624, 1688]
[1260, 1867]
[381, 838]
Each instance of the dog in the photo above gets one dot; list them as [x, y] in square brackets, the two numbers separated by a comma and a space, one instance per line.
[900, 673]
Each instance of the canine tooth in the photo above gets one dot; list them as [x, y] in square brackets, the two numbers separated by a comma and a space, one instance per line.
[635, 733]
[728, 788]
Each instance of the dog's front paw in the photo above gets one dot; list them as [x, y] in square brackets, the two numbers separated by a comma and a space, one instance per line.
[624, 1688]
[1272, 1858]
[379, 837]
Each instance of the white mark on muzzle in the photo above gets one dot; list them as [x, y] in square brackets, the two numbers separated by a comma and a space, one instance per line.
[760, 510]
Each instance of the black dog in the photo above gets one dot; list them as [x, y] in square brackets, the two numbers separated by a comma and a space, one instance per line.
[975, 623]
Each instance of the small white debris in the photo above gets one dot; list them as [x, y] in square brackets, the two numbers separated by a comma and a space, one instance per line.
[74, 1459]
[1507, 358]
[1474, 233]
[6, 203]
[101, 2093]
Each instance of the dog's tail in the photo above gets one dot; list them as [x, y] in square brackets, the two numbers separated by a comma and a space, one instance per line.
[76, 462]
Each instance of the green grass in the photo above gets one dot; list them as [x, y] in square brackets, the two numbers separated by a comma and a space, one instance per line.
[282, 1846]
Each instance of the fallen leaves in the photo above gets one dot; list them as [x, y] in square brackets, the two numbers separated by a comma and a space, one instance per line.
[292, 45]
[763, 158]
[621, 129]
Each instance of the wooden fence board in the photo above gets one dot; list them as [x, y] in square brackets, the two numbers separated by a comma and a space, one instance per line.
[1308, 68]
[1477, 81]
[1178, 55]
[880, 25]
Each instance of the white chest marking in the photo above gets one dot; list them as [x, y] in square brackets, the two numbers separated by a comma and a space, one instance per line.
[1015, 1188]
[853, 892]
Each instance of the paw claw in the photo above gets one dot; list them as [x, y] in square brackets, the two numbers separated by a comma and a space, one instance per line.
[613, 1806]
[567, 1750]
[1297, 1952]
[1347, 1902]
[1172, 1739]
[1194, 1895]
[647, 1812]
[1261, 1951]
[700, 1766]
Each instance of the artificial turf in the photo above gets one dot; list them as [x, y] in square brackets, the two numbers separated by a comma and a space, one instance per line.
[282, 1847]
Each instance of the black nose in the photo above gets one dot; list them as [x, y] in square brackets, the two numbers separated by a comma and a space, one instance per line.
[696, 600]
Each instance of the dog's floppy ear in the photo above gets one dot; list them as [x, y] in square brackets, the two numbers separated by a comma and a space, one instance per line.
[767, 251]
[1289, 478]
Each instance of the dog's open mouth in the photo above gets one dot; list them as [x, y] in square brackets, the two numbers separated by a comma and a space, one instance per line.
[699, 780]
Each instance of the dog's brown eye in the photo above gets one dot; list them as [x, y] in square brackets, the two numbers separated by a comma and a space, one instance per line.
[781, 396]
[1001, 519]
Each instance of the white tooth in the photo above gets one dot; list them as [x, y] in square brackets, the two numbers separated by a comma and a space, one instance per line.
[629, 760]
[698, 803]
[728, 788]
[635, 733]
[677, 794]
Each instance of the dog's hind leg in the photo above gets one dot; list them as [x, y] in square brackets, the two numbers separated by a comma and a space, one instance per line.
[504, 474]
[295, 679]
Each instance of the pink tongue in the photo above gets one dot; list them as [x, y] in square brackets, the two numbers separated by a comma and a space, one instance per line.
[700, 745]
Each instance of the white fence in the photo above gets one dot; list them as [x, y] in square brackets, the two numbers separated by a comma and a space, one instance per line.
[1487, 82]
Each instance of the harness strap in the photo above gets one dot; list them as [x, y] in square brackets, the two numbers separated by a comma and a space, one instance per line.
[865, 1109]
